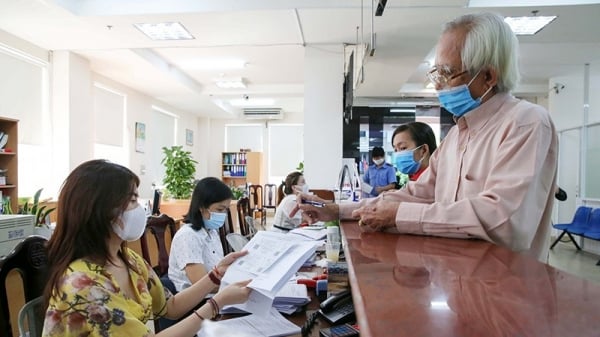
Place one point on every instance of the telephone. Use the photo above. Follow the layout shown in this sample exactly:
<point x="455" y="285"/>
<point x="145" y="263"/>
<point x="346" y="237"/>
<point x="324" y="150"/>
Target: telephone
<point x="338" y="309"/>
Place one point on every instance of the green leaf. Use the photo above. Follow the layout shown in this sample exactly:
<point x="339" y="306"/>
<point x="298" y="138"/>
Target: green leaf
<point x="180" y="170"/>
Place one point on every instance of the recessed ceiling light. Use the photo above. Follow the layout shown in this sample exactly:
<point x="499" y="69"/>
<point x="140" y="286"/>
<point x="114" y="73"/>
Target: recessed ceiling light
<point x="231" y="83"/>
<point x="213" y="64"/>
<point x="252" y="102"/>
<point x="164" y="31"/>
<point x="528" y="25"/>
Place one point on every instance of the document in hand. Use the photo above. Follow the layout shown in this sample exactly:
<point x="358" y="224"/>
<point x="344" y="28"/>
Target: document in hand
<point x="366" y="188"/>
<point x="271" y="261"/>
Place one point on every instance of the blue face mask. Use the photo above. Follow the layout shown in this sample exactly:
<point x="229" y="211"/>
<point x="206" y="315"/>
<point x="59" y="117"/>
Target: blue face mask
<point x="216" y="220"/>
<point x="458" y="99"/>
<point x="405" y="161"/>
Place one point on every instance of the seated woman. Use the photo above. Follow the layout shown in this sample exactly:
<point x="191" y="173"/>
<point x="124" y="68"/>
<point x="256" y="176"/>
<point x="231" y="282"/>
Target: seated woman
<point x="294" y="183"/>
<point x="413" y="145"/>
<point x="196" y="247"/>
<point x="99" y="287"/>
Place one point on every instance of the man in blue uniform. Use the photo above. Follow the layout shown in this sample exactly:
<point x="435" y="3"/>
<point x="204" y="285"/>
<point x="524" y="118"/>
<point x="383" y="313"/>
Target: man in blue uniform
<point x="380" y="175"/>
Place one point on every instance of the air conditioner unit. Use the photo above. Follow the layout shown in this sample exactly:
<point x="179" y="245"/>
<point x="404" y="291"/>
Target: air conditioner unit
<point x="13" y="229"/>
<point x="263" y="113"/>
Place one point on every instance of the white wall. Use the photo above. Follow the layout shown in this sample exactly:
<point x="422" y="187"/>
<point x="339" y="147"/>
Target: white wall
<point x="68" y="123"/>
<point x="213" y="138"/>
<point x="323" y="79"/>
<point x="567" y="110"/>
<point x="138" y="109"/>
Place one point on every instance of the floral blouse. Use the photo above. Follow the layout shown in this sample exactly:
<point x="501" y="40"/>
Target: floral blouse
<point x="90" y="303"/>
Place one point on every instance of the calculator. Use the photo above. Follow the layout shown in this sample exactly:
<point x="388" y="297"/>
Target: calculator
<point x="345" y="330"/>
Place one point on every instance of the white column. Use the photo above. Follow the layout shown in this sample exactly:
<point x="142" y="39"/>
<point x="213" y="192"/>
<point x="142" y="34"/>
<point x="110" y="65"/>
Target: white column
<point x="323" y="111"/>
<point x="72" y="112"/>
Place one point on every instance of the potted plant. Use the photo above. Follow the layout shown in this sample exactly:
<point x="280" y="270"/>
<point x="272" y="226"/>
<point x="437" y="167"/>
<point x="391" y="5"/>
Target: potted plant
<point x="42" y="214"/>
<point x="237" y="192"/>
<point x="179" y="173"/>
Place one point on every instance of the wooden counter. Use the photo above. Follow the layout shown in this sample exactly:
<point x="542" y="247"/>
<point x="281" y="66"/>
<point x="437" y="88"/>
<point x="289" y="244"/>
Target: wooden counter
<point x="415" y="286"/>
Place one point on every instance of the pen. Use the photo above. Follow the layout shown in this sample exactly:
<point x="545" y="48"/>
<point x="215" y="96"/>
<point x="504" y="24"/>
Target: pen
<point x="314" y="203"/>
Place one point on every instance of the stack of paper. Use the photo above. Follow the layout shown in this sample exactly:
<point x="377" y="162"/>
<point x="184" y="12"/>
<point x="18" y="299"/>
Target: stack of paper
<point x="310" y="233"/>
<point x="271" y="261"/>
<point x="291" y="297"/>
<point x="272" y="324"/>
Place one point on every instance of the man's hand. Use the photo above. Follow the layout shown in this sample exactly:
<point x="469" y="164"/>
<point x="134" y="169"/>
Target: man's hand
<point x="312" y="214"/>
<point x="378" y="216"/>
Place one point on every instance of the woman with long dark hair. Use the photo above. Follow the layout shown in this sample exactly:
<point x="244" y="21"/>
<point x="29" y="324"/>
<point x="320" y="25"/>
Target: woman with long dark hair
<point x="99" y="287"/>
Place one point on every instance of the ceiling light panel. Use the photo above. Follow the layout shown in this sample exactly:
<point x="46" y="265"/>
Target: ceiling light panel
<point x="164" y="31"/>
<point x="528" y="25"/>
<point x="212" y="64"/>
<point x="231" y="83"/>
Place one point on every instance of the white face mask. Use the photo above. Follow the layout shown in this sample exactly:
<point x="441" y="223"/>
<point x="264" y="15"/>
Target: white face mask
<point x="134" y="224"/>
<point x="378" y="161"/>
<point x="300" y="189"/>
<point x="305" y="188"/>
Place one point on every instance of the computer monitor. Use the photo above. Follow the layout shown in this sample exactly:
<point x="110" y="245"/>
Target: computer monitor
<point x="156" y="202"/>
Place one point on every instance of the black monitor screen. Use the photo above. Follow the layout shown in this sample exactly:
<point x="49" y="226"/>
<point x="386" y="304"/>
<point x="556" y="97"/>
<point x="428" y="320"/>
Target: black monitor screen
<point x="156" y="203"/>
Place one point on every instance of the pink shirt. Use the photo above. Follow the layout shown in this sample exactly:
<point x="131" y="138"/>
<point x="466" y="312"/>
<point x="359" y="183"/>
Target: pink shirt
<point x="492" y="178"/>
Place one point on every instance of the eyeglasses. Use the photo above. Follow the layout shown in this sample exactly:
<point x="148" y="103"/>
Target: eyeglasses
<point x="442" y="76"/>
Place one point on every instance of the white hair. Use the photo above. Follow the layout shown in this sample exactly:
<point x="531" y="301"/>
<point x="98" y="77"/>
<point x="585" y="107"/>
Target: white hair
<point x="489" y="43"/>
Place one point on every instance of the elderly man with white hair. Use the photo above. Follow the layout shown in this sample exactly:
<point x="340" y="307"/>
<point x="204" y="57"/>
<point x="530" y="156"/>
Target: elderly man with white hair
<point x="494" y="174"/>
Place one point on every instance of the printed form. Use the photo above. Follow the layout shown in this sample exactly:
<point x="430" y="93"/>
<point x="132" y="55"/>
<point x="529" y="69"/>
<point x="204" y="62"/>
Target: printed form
<point x="272" y="260"/>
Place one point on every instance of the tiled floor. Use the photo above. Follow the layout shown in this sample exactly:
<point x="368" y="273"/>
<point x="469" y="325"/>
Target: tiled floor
<point x="565" y="257"/>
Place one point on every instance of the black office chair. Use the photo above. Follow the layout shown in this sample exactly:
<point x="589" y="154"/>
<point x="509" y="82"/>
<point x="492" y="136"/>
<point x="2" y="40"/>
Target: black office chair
<point x="158" y="225"/>
<point x="30" y="259"/>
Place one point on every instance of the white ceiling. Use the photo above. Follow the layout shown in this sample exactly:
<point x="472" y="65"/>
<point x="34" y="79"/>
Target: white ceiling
<point x="272" y="35"/>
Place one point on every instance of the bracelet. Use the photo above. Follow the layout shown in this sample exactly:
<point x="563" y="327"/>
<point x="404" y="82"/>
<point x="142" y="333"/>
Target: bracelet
<point x="197" y="314"/>
<point x="214" y="279"/>
<point x="214" y="306"/>
<point x="217" y="272"/>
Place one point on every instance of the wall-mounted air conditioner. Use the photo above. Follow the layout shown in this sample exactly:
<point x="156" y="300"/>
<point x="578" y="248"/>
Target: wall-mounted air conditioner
<point x="263" y="113"/>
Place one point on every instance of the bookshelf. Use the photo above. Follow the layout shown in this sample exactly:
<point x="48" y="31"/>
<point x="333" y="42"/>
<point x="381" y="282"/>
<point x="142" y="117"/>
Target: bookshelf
<point x="9" y="161"/>
<point x="239" y="168"/>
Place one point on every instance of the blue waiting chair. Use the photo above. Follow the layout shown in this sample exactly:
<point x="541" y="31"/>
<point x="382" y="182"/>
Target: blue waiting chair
<point x="579" y="222"/>
<point x="580" y="228"/>
<point x="593" y="231"/>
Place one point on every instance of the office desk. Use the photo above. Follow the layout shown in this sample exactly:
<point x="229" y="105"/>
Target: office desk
<point x="405" y="285"/>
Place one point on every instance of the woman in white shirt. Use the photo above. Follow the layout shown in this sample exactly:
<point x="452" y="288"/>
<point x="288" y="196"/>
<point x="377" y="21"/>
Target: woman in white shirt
<point x="196" y="247"/>
<point x="294" y="184"/>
